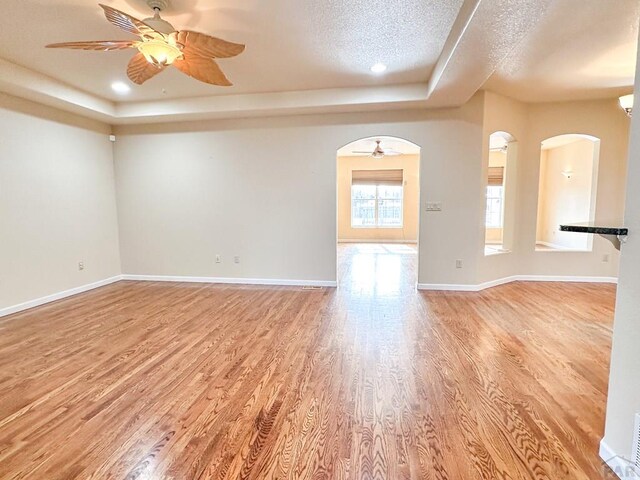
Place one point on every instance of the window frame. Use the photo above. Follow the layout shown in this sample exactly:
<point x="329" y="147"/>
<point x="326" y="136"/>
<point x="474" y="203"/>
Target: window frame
<point x="500" y="223"/>
<point x="377" y="198"/>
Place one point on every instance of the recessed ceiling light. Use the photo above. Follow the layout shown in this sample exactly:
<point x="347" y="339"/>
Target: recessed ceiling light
<point x="378" y="68"/>
<point x="120" y="87"/>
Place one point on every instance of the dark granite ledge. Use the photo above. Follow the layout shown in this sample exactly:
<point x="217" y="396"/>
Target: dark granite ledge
<point x="592" y="228"/>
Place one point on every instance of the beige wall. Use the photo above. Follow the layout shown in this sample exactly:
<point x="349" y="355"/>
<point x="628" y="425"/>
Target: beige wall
<point x="493" y="236"/>
<point x="530" y="124"/>
<point x="563" y="199"/>
<point x="502" y="114"/>
<point x="410" y="165"/>
<point x="265" y="190"/>
<point x="497" y="159"/>
<point x="57" y="202"/>
<point x="624" y="388"/>
<point x="602" y="119"/>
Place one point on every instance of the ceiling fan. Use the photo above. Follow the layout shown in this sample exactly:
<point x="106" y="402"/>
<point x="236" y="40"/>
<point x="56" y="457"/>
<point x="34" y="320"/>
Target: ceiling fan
<point x="379" y="152"/>
<point x="161" y="45"/>
<point x="501" y="149"/>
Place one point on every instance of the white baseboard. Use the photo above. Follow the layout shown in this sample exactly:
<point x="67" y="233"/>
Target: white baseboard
<point x="566" y="278"/>
<point x="161" y="278"/>
<point x="514" y="278"/>
<point x="355" y="240"/>
<point x="234" y="281"/>
<point x="622" y="467"/>
<point x="286" y="282"/>
<point x="57" y="296"/>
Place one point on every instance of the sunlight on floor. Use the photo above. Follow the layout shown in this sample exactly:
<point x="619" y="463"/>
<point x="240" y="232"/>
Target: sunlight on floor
<point x="377" y="270"/>
<point x="492" y="249"/>
<point x="541" y="247"/>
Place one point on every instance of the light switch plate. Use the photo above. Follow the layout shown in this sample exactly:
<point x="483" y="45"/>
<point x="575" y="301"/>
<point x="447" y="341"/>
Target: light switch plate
<point x="434" y="206"/>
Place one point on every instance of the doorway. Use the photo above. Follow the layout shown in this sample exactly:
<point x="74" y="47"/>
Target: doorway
<point x="500" y="190"/>
<point x="378" y="189"/>
<point x="567" y="191"/>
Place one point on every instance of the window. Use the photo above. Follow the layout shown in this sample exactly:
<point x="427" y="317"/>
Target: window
<point x="376" y="206"/>
<point x="502" y="172"/>
<point x="495" y="194"/>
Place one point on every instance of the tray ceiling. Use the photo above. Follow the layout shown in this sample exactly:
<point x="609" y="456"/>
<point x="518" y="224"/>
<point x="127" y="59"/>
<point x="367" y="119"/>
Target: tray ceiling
<point x="291" y="45"/>
<point x="315" y="57"/>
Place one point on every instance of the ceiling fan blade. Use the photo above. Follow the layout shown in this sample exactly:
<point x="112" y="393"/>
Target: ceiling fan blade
<point x="104" y="45"/>
<point x="206" y="46"/>
<point x="204" y="69"/>
<point x="128" y="23"/>
<point x="361" y="151"/>
<point x="139" y="70"/>
<point x="392" y="152"/>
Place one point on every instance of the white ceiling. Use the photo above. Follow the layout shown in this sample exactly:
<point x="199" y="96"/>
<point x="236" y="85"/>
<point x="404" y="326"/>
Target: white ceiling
<point x="315" y="56"/>
<point x="498" y="140"/>
<point x="580" y="49"/>
<point x="387" y="143"/>
<point x="290" y="44"/>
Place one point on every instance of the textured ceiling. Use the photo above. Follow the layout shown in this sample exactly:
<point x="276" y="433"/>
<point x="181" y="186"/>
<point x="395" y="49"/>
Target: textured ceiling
<point x="579" y="49"/>
<point x="314" y="56"/>
<point x="291" y="44"/>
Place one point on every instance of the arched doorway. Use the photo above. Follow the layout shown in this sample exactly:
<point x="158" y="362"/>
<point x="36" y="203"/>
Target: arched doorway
<point x="567" y="191"/>
<point x="378" y="212"/>
<point x="500" y="190"/>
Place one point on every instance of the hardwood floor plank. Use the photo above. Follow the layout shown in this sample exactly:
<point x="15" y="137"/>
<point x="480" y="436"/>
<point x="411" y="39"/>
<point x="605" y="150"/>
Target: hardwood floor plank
<point x="370" y="381"/>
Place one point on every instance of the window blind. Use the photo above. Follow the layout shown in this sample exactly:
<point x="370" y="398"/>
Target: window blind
<point x="377" y="177"/>
<point x="496" y="176"/>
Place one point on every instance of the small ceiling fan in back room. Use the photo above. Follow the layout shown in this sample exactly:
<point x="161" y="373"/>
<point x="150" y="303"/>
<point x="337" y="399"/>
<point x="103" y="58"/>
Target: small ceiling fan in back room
<point x="378" y="151"/>
<point x="161" y="45"/>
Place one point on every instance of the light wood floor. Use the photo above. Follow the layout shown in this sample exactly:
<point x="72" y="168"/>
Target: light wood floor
<point x="374" y="380"/>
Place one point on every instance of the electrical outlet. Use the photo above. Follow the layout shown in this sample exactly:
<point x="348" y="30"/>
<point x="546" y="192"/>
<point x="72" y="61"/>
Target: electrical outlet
<point x="218" y="259"/>
<point x="80" y="265"/>
<point x="606" y="257"/>
<point x="458" y="263"/>
<point x="236" y="259"/>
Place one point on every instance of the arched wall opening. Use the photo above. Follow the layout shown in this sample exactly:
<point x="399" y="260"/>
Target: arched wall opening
<point x="567" y="191"/>
<point x="500" y="190"/>
<point x="378" y="211"/>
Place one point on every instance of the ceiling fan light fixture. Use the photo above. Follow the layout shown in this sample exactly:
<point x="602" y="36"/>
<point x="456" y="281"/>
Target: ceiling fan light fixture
<point x="159" y="52"/>
<point x="378" y="152"/>
<point x="626" y="102"/>
<point x="161" y="45"/>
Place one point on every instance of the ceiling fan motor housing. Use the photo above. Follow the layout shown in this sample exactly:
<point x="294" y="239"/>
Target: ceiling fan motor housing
<point x="160" y="25"/>
<point x="158" y="4"/>
<point x="157" y="23"/>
